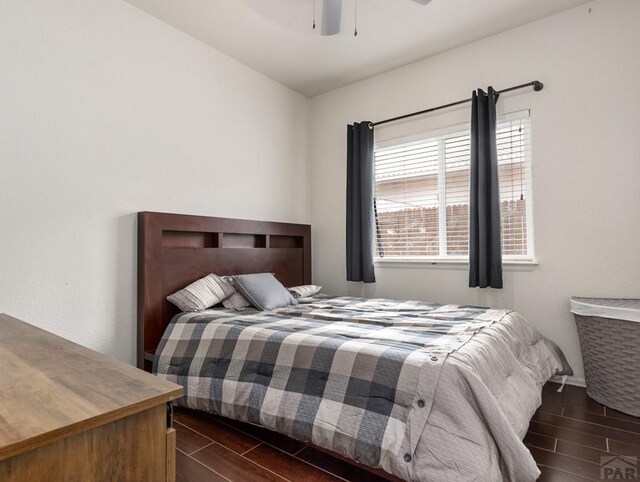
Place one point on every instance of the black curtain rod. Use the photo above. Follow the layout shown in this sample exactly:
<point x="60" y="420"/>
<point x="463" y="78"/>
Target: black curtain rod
<point x="536" y="84"/>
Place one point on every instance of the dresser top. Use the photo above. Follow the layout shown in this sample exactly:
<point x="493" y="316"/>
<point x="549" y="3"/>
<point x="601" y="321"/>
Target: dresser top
<point x="51" y="388"/>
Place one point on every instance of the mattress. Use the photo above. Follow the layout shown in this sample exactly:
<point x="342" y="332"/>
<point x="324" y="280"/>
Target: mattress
<point x="422" y="390"/>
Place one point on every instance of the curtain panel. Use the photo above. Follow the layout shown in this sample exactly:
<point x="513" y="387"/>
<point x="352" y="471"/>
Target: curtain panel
<point x="485" y="245"/>
<point x="360" y="215"/>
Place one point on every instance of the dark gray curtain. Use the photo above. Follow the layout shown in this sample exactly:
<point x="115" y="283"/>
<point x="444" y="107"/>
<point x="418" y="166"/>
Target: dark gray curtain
<point x="360" y="217"/>
<point x="485" y="246"/>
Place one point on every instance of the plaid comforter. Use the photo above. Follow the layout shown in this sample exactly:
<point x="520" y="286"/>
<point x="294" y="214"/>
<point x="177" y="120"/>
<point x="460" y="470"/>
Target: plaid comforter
<point x="356" y="376"/>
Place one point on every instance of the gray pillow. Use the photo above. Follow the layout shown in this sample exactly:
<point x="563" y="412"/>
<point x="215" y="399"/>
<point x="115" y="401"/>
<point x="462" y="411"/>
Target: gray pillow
<point x="263" y="291"/>
<point x="202" y="294"/>
<point x="236" y="302"/>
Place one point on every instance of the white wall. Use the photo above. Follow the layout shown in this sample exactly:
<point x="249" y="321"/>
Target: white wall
<point x="586" y="156"/>
<point x="106" y="111"/>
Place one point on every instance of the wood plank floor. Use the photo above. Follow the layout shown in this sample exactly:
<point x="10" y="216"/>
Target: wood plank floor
<point x="567" y="436"/>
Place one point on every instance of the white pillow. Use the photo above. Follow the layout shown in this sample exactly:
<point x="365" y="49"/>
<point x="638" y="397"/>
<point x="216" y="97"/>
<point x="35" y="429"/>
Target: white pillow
<point x="304" y="291"/>
<point x="202" y="294"/>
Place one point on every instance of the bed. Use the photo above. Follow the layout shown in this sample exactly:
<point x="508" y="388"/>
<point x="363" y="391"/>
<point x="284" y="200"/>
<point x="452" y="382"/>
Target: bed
<point x="420" y="390"/>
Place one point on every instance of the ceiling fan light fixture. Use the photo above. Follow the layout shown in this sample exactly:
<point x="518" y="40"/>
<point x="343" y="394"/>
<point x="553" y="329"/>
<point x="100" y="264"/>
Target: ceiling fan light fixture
<point x="331" y="16"/>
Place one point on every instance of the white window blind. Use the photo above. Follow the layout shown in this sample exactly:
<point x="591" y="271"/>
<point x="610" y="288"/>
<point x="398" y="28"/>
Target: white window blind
<point x="422" y="193"/>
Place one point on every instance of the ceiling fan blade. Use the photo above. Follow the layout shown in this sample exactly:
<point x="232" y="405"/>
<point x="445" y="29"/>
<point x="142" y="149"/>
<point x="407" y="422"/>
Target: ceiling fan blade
<point x="423" y="2"/>
<point x="331" y="15"/>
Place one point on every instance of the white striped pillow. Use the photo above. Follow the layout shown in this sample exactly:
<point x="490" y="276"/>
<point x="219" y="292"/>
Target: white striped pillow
<point x="202" y="294"/>
<point x="304" y="291"/>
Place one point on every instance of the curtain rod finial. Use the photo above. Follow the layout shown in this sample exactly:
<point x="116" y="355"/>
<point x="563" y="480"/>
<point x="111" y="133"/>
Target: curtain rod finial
<point x="537" y="85"/>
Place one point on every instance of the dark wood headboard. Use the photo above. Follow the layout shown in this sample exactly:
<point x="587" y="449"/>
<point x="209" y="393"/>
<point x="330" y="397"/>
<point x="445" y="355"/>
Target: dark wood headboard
<point x="176" y="249"/>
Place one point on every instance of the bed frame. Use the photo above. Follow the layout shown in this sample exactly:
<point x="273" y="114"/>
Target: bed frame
<point x="177" y="249"/>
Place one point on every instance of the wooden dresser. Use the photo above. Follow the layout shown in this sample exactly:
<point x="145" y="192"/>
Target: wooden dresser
<point x="70" y="413"/>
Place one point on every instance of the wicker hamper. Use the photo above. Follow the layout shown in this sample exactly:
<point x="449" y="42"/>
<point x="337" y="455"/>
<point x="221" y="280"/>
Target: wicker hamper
<point x="609" y="331"/>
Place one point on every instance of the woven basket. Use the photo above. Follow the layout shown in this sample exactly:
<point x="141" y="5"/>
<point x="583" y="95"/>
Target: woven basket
<point x="609" y="331"/>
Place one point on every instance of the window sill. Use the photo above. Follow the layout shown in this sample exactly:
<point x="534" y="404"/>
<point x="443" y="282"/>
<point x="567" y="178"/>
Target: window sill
<point x="509" y="265"/>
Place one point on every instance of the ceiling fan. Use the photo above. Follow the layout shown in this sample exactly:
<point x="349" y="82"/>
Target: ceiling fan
<point x="332" y="13"/>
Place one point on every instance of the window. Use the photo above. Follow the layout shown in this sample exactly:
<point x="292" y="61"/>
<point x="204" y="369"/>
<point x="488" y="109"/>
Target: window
<point x="422" y="193"/>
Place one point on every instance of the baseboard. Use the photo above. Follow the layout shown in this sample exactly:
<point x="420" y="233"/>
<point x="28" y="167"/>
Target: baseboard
<point x="571" y="380"/>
